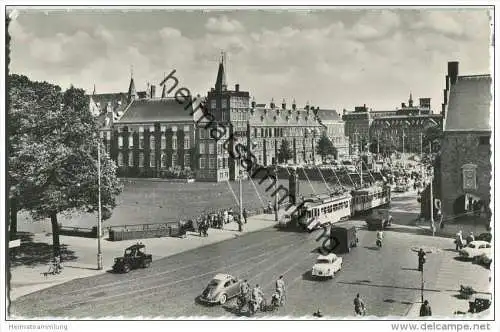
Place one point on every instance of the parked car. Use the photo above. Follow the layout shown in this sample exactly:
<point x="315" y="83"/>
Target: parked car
<point x="133" y="258"/>
<point x="327" y="266"/>
<point x="485" y="259"/>
<point x="475" y="249"/>
<point x="221" y="288"/>
<point x="484" y="237"/>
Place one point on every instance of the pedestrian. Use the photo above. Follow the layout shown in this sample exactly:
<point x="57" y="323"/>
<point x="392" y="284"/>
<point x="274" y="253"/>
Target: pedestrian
<point x="459" y="242"/>
<point x="421" y="259"/>
<point x="425" y="309"/>
<point x="245" y="215"/>
<point x="359" y="306"/>
<point x="470" y="238"/>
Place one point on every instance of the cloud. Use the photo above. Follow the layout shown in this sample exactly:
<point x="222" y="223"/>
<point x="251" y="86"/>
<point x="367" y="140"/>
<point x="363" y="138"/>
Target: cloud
<point x="375" y="24"/>
<point x="223" y="24"/>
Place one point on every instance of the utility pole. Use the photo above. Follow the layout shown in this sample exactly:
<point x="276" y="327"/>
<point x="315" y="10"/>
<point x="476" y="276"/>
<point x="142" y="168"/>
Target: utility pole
<point x="276" y="195"/>
<point x="432" y="204"/>
<point x="99" y="218"/>
<point x="240" y="223"/>
<point x="422" y="285"/>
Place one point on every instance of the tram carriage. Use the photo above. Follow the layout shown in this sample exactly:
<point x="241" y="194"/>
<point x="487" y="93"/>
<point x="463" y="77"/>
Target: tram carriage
<point x="331" y="209"/>
<point x="363" y="200"/>
<point x="324" y="210"/>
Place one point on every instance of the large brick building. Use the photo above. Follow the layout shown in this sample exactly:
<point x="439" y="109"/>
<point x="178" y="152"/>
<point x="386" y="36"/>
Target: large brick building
<point x="357" y="128"/>
<point x="465" y="168"/>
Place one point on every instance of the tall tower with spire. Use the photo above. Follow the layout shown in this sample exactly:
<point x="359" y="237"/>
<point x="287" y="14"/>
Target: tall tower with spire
<point x="132" y="93"/>
<point x="410" y="101"/>
<point x="220" y="82"/>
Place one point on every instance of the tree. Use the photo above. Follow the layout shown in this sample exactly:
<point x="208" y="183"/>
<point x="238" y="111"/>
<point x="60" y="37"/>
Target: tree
<point x="53" y="157"/>
<point x="285" y="152"/>
<point x="432" y="137"/>
<point x="325" y="148"/>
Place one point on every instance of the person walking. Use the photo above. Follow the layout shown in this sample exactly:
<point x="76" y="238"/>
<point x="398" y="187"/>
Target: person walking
<point x="359" y="306"/>
<point x="425" y="309"/>
<point x="421" y="259"/>
<point x="459" y="242"/>
<point x="245" y="214"/>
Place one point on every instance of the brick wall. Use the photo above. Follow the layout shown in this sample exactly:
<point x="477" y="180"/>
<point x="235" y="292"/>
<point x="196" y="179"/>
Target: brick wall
<point x="459" y="148"/>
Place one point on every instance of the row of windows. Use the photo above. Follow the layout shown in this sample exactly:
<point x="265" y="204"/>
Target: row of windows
<point x="162" y="128"/>
<point x="152" y="142"/>
<point x="315" y="212"/>
<point x="152" y="160"/>
<point x="279" y="132"/>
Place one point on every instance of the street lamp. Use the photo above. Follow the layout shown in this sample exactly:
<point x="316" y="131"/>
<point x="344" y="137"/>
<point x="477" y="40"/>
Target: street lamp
<point x="99" y="217"/>
<point x="240" y="223"/>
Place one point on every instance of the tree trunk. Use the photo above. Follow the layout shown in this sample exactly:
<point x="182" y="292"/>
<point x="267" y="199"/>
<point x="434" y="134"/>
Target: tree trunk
<point x="56" y="246"/>
<point x="13" y="218"/>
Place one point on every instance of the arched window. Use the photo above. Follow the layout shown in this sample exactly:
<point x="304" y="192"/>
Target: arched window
<point x="141" y="159"/>
<point x="130" y="158"/>
<point x="163" y="160"/>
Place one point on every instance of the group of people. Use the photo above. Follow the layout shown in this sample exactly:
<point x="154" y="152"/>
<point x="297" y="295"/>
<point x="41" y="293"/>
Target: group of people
<point x="459" y="241"/>
<point x="216" y="219"/>
<point x="257" y="295"/>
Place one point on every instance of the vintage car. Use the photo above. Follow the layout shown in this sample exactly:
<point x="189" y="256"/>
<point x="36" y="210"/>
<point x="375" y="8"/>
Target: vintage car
<point x="327" y="266"/>
<point x="484" y="237"/>
<point x="133" y="258"/>
<point x="221" y="288"/>
<point x="475" y="249"/>
<point x="484" y="259"/>
<point x="479" y="303"/>
<point x="378" y="219"/>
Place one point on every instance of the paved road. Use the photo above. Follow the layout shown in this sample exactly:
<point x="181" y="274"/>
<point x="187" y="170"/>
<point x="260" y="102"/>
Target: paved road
<point x="386" y="278"/>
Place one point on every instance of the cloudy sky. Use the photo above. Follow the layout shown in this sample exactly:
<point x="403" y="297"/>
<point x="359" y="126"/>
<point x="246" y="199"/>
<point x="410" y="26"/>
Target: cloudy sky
<point x="332" y="58"/>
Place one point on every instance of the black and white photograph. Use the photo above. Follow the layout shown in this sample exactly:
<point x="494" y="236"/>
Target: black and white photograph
<point x="249" y="163"/>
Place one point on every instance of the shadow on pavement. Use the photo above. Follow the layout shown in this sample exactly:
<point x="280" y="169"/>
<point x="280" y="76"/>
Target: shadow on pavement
<point x="372" y="248"/>
<point x="233" y="309"/>
<point x="308" y="276"/>
<point x="408" y="269"/>
<point x="389" y="286"/>
<point x="36" y="253"/>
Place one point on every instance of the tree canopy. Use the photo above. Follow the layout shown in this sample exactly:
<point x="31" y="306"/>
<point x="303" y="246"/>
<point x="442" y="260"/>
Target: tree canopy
<point x="325" y="148"/>
<point x="52" y="161"/>
<point x="285" y="152"/>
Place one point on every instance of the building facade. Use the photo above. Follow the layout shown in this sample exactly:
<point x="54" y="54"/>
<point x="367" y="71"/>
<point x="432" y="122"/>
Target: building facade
<point x="357" y="128"/>
<point x="465" y="167"/>
<point x="334" y="129"/>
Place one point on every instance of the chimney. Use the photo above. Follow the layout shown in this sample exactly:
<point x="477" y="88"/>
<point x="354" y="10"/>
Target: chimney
<point x="236" y="87"/>
<point x="283" y="104"/>
<point x="403" y="105"/>
<point x="447" y="82"/>
<point x="153" y="91"/>
<point x="445" y="97"/>
<point x="294" y="105"/>
<point x="253" y="102"/>
<point x="453" y="71"/>
<point x="307" y="105"/>
<point x="272" y="103"/>
<point x="443" y="108"/>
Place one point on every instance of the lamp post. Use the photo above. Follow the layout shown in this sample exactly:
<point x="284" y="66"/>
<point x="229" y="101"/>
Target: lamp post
<point x="240" y="223"/>
<point x="276" y="194"/>
<point x="432" y="202"/>
<point x="99" y="217"/>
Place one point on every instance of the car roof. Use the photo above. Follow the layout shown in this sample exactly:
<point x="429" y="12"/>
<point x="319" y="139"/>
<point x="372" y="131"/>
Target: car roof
<point x="137" y="246"/>
<point x="479" y="242"/>
<point x="222" y="276"/>
<point x="329" y="256"/>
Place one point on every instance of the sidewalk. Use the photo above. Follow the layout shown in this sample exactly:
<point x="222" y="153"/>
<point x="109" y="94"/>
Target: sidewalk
<point x="80" y="254"/>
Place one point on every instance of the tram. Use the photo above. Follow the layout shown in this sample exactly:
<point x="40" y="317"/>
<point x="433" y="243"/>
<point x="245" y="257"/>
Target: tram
<point x="329" y="209"/>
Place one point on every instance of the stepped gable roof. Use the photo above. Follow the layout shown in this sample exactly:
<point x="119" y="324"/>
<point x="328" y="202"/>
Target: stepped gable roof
<point x="469" y="104"/>
<point x="282" y="117"/>
<point x="153" y="110"/>
<point x="328" y="115"/>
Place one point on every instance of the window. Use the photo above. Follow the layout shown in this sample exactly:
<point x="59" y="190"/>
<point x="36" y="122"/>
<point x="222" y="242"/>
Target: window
<point x="130" y="142"/>
<point x="203" y="133"/>
<point x="187" y="160"/>
<point x="152" y="160"/>
<point x="130" y="159"/>
<point x="120" y="141"/>
<point x="220" y="161"/>
<point x="101" y="134"/>
<point x="202" y="147"/>
<point x="186" y="142"/>
<point x="224" y="103"/>
<point x="108" y="135"/>
<point x="223" y="116"/>
<point x="152" y="143"/>
<point x="174" y="159"/>
<point x="484" y="140"/>
<point x="141" y="129"/>
<point x="163" y="142"/>
<point x="141" y="159"/>
<point x="211" y="148"/>
<point x="186" y="129"/>
<point x="151" y="129"/>
<point x="202" y="162"/>
<point x="174" y="142"/>
<point x="163" y="160"/>
<point x="211" y="163"/>
<point x="120" y="159"/>
<point x="163" y="129"/>
<point x="141" y="141"/>
<point x="212" y="104"/>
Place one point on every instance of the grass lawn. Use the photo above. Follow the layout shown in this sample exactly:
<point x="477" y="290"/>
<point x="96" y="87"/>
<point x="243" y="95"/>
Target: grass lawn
<point x="144" y="202"/>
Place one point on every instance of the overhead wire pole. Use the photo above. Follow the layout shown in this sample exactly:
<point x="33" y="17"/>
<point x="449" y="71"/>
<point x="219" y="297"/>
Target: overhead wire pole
<point x="99" y="209"/>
